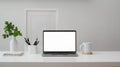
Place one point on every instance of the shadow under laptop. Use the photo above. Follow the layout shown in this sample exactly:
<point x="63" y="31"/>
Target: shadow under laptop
<point x="60" y="55"/>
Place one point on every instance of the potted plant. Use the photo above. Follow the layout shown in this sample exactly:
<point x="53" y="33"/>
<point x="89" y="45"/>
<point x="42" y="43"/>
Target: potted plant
<point x="10" y="30"/>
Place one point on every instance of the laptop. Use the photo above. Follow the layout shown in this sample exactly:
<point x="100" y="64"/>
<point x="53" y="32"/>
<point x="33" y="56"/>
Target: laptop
<point x="59" y="43"/>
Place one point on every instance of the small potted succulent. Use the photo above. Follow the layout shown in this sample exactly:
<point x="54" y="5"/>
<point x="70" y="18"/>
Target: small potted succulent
<point x="10" y="30"/>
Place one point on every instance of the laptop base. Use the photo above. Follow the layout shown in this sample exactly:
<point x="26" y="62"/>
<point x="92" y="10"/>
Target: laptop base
<point x="59" y="55"/>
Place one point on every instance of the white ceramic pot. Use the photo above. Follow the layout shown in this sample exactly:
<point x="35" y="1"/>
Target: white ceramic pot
<point x="86" y="47"/>
<point x="32" y="49"/>
<point x="13" y="44"/>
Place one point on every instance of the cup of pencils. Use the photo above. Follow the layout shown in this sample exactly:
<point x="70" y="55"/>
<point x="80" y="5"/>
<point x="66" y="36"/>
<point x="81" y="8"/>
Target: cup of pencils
<point x="32" y="48"/>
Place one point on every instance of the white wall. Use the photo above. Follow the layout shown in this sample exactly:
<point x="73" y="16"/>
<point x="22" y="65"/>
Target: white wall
<point x="95" y="20"/>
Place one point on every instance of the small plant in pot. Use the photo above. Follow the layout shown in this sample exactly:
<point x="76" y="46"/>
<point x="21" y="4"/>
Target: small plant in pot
<point x="10" y="30"/>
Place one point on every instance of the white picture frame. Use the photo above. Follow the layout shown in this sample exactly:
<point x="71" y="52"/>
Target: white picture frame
<point x="31" y="16"/>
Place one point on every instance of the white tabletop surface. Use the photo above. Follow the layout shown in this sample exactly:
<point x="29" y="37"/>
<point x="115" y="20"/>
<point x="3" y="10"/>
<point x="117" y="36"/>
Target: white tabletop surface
<point x="98" y="56"/>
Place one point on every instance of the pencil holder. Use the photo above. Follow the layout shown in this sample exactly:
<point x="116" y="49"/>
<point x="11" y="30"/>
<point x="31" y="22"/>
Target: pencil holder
<point x="32" y="49"/>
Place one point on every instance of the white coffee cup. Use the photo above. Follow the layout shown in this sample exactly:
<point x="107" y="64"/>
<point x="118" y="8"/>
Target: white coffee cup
<point x="86" y="47"/>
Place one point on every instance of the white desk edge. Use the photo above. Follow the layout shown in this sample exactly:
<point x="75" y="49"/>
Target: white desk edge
<point x="98" y="56"/>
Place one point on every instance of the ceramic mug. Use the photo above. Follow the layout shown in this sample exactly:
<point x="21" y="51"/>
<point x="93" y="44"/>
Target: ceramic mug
<point x="86" y="48"/>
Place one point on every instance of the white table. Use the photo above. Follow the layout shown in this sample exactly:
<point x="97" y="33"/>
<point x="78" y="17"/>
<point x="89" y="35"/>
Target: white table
<point x="98" y="59"/>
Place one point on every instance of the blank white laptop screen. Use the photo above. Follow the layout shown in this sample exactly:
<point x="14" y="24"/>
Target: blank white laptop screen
<point x="60" y="41"/>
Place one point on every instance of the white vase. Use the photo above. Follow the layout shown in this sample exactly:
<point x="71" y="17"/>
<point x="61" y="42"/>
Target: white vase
<point x="13" y="44"/>
<point x="32" y="49"/>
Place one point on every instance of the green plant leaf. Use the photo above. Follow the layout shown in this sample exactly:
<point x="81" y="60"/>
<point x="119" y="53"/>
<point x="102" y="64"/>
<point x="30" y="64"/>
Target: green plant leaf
<point x="4" y="36"/>
<point x="6" y="22"/>
<point x="11" y="30"/>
